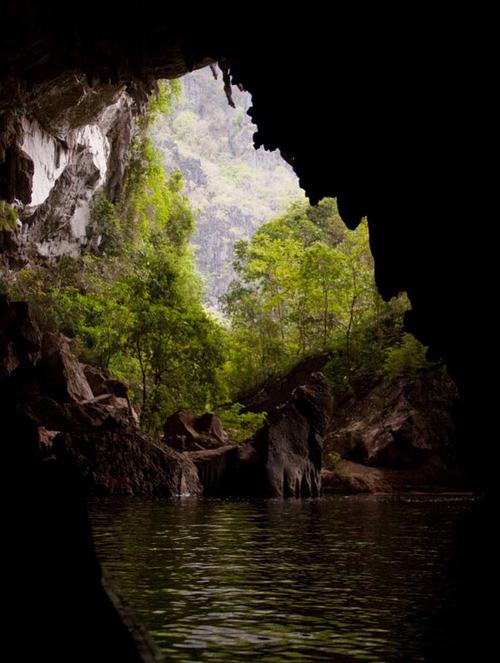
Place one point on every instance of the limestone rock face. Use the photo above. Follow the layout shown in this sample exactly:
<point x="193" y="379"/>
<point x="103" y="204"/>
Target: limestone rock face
<point x="283" y="458"/>
<point x="68" y="170"/>
<point x="398" y="424"/>
<point x="69" y="147"/>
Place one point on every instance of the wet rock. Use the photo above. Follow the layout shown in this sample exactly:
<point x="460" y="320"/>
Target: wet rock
<point x="124" y="461"/>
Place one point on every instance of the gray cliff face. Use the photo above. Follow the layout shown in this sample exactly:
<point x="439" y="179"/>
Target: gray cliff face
<point x="232" y="187"/>
<point x="69" y="151"/>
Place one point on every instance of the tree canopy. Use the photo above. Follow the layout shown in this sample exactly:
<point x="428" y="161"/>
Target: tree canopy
<point x="306" y="283"/>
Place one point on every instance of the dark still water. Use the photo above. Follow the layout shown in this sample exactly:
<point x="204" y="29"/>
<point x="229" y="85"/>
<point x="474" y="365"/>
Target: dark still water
<point x="333" y="579"/>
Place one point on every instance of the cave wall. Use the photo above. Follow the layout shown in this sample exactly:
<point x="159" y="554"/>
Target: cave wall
<point x="69" y="147"/>
<point x="388" y="113"/>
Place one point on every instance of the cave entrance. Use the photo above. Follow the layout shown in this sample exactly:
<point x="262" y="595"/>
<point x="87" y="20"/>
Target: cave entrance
<point x="299" y="299"/>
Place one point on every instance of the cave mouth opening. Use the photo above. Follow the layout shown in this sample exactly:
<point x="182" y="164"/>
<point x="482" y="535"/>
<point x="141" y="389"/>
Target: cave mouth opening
<point x="111" y="215"/>
<point x="399" y="266"/>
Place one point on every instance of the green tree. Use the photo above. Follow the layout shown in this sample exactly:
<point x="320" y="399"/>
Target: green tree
<point x="305" y="284"/>
<point x="134" y="306"/>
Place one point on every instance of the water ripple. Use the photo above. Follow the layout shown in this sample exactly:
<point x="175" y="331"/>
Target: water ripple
<point x="335" y="579"/>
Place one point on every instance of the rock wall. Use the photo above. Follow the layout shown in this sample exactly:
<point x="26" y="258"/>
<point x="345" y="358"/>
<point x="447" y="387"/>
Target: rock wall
<point x="70" y="151"/>
<point x="92" y="429"/>
<point x="283" y="458"/>
<point x="397" y="435"/>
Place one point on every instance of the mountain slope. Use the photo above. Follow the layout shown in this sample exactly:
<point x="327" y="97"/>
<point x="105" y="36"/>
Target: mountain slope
<point x="233" y="187"/>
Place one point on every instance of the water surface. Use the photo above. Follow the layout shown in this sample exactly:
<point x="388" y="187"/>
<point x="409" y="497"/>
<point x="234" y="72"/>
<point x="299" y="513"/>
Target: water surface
<point x="359" y="578"/>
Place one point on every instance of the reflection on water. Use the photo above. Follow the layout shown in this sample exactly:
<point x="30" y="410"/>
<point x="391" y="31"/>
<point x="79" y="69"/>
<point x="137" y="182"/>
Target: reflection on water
<point x="333" y="579"/>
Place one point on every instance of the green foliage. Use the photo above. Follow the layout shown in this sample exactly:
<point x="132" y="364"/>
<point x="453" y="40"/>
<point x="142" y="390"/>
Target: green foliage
<point x="8" y="216"/>
<point x="233" y="187"/>
<point x="333" y="459"/>
<point x="239" y="425"/>
<point x="160" y="103"/>
<point x="135" y="305"/>
<point x="408" y="358"/>
<point x="306" y="284"/>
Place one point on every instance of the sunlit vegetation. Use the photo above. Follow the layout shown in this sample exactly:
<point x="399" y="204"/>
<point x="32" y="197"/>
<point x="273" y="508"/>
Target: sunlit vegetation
<point x="8" y="216"/>
<point x="305" y="284"/>
<point x="133" y="305"/>
<point x="232" y="187"/>
<point x="240" y="425"/>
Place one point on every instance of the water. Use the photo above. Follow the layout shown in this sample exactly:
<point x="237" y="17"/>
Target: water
<point x="333" y="579"/>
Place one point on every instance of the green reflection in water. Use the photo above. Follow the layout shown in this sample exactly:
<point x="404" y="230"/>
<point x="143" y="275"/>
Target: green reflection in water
<point x="338" y="579"/>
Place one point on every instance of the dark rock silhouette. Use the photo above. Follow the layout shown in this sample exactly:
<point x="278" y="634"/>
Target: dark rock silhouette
<point x="62" y="374"/>
<point x="59" y="591"/>
<point x="269" y="395"/>
<point x="95" y="432"/>
<point x="282" y="459"/>
<point x="399" y="423"/>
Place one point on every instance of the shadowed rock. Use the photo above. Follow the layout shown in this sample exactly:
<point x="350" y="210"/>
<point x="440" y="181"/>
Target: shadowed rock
<point x="186" y="431"/>
<point x="400" y="423"/>
<point x="20" y="339"/>
<point x="61" y="373"/>
<point x="282" y="459"/>
<point x="93" y="430"/>
<point x="275" y="392"/>
<point x="349" y="477"/>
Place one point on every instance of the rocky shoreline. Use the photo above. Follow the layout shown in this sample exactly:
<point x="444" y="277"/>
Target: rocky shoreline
<point x="396" y="436"/>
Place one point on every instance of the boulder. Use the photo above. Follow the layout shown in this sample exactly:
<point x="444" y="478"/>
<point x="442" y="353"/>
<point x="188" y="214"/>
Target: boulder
<point x="101" y="382"/>
<point x="117" y="388"/>
<point x="210" y="424"/>
<point x="110" y="392"/>
<point x="186" y="431"/>
<point x="61" y="373"/>
<point x="400" y="424"/>
<point x="349" y="477"/>
<point x="96" y="377"/>
<point x="282" y="459"/>
<point x="125" y="461"/>
<point x="275" y="392"/>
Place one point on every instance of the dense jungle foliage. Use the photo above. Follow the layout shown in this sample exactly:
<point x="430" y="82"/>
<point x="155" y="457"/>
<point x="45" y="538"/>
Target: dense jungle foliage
<point x="134" y="306"/>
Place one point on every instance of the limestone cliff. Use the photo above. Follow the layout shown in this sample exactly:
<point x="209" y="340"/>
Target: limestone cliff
<point x="232" y="187"/>
<point x="66" y="148"/>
